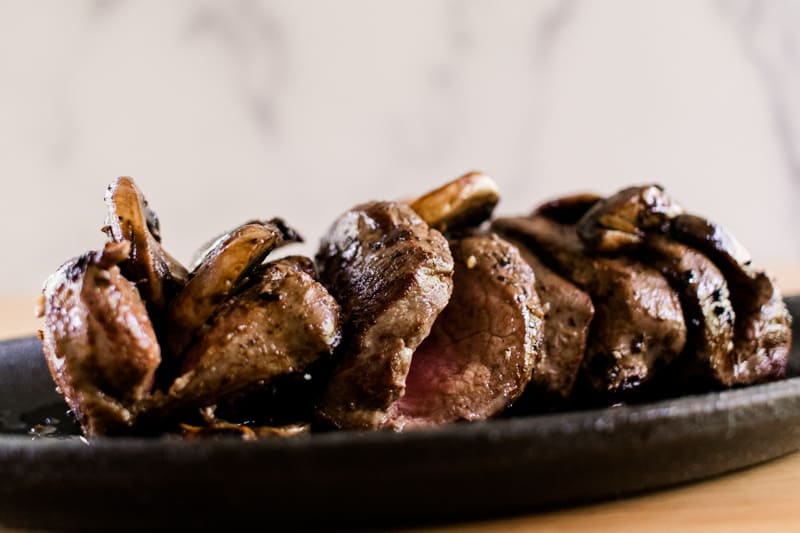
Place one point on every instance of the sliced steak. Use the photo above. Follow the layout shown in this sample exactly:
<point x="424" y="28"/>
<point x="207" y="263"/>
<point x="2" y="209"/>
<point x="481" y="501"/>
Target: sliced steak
<point x="278" y="324"/>
<point x="638" y="325"/>
<point x="706" y="306"/>
<point x="568" y="314"/>
<point x="392" y="275"/>
<point x="98" y="340"/>
<point x="482" y="348"/>
<point x="762" y="331"/>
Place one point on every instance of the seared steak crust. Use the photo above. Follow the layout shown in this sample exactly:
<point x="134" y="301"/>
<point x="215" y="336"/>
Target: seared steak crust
<point x="392" y="275"/>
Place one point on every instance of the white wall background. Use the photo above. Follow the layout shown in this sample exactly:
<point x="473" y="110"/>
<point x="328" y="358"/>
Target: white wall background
<point x="224" y="111"/>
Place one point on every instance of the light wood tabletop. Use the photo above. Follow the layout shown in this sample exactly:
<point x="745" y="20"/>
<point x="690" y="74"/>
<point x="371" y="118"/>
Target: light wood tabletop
<point x="760" y="498"/>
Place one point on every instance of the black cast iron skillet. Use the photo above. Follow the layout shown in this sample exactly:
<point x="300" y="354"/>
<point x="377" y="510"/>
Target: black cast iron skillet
<point x="342" y="479"/>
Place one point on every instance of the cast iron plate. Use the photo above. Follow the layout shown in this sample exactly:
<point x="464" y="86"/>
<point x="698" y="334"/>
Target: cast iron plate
<point x="381" y="478"/>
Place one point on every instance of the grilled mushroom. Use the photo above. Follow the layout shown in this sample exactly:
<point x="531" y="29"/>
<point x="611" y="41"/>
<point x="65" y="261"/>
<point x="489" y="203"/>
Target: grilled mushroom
<point x="619" y="222"/>
<point x="278" y="323"/>
<point x="462" y="203"/>
<point x="222" y="267"/>
<point x="157" y="275"/>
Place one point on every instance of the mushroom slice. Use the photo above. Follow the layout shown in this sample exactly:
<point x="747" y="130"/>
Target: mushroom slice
<point x="98" y="340"/>
<point x="463" y="202"/>
<point x="281" y="321"/>
<point x="220" y="428"/>
<point x="619" y="222"/>
<point x="288" y="235"/>
<point x="223" y="266"/>
<point x="762" y="331"/>
<point x="212" y="426"/>
<point x="157" y="275"/>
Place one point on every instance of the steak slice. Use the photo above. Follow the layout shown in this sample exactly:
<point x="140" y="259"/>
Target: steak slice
<point x="280" y="322"/>
<point x="392" y="275"/>
<point x="98" y="341"/>
<point x="482" y="348"/>
<point x="706" y="306"/>
<point x="638" y="325"/>
<point x="568" y="314"/>
<point x="762" y="331"/>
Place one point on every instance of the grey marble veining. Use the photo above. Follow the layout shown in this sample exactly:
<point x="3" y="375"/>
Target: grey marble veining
<point x="770" y="36"/>
<point x="255" y="49"/>
<point x="225" y="111"/>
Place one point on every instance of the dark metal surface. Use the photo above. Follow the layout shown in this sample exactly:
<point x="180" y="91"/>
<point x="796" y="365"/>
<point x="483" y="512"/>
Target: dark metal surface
<point x="381" y="478"/>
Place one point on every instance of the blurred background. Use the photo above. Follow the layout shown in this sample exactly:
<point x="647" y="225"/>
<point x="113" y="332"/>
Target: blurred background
<point x="226" y="111"/>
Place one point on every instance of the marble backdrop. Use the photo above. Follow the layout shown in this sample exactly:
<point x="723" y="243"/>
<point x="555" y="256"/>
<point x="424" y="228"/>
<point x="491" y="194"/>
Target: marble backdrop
<point x="225" y="111"/>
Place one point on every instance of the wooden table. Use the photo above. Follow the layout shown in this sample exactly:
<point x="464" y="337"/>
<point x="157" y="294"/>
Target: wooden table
<point x="760" y="498"/>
